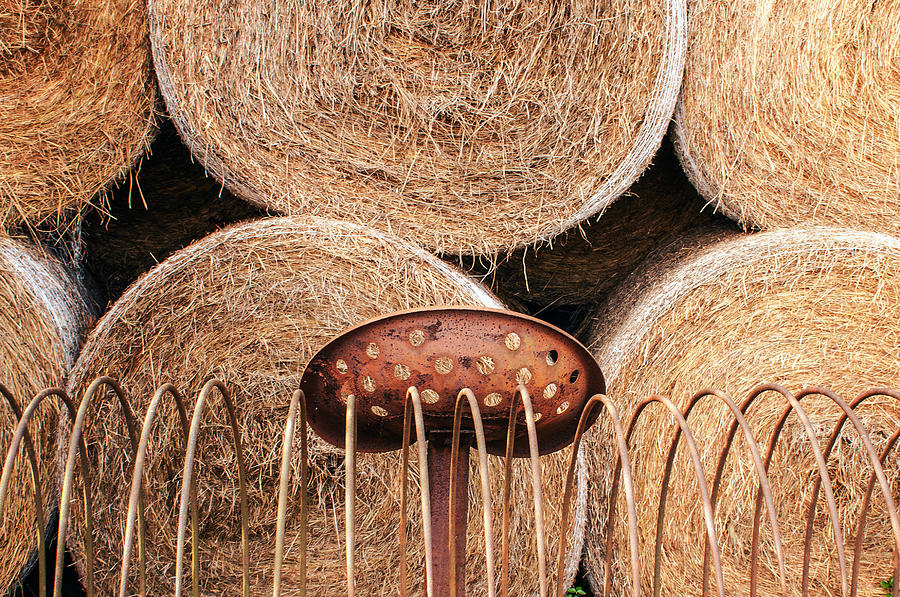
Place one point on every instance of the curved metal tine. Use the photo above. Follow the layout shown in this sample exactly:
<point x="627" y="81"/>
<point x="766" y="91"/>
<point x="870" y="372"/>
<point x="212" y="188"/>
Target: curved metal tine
<point x="298" y="401"/>
<point x="134" y="500"/>
<point x="76" y="445"/>
<point x="624" y="461"/>
<point x="189" y="493"/>
<point x="522" y="392"/>
<point x="794" y="405"/>
<point x="861" y="523"/>
<point x="699" y="474"/>
<point x="485" y="487"/>
<point x="764" y="487"/>
<point x="414" y="400"/>
<point x="874" y="458"/>
<point x="350" y="491"/>
<point x="864" y="510"/>
<point x="36" y="486"/>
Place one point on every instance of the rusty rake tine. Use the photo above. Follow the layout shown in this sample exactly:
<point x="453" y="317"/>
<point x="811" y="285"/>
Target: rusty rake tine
<point x="298" y="401"/>
<point x="864" y="510"/>
<point x="507" y="477"/>
<point x="567" y="492"/>
<point x="350" y="491"/>
<point x="523" y="397"/>
<point x="188" y="482"/>
<point x="136" y="486"/>
<point x="404" y="493"/>
<point x="699" y="473"/>
<point x="874" y="458"/>
<point x="412" y="396"/>
<point x="36" y="483"/>
<point x="485" y="487"/>
<point x="861" y="523"/>
<point x="76" y="442"/>
<point x="740" y="421"/>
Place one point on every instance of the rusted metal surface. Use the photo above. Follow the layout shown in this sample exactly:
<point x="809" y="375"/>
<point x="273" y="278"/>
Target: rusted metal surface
<point x="441" y="351"/>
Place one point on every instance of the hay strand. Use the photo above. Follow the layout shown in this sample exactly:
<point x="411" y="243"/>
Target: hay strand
<point x="466" y="127"/>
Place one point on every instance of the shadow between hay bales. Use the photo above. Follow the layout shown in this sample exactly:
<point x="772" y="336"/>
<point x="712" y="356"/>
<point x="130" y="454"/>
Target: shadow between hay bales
<point x="164" y="205"/>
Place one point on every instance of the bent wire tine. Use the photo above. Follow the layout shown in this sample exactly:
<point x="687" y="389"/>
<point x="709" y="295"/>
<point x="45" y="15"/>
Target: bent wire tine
<point x="523" y="397"/>
<point x="76" y="445"/>
<point x="134" y="499"/>
<point x="485" y="487"/>
<point x="414" y="400"/>
<point x="189" y="493"/>
<point x="350" y="491"/>
<point x="298" y="401"/>
<point x="764" y="487"/>
<point x="876" y="465"/>
<point x="601" y="401"/>
<point x="864" y="509"/>
<point x="36" y="484"/>
<point x="700" y="476"/>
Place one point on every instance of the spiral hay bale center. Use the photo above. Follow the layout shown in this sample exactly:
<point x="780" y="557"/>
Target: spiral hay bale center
<point x="468" y="127"/>
<point x="809" y="307"/>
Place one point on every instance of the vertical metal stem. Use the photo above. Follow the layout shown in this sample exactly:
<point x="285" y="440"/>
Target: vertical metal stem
<point x="441" y="466"/>
<point x="298" y="401"/>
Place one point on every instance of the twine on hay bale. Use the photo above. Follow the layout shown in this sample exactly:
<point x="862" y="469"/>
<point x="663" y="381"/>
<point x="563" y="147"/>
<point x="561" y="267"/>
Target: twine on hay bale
<point x="250" y="305"/>
<point x="467" y="127"/>
<point x="42" y="317"/>
<point x="802" y="307"/>
<point x="788" y="114"/>
<point x="585" y="265"/>
<point x="77" y="106"/>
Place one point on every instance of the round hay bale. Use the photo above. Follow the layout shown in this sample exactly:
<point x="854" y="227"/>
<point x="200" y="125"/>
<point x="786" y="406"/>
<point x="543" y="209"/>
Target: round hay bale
<point x="250" y="305"/>
<point x="467" y="127"/>
<point x="585" y="265"/>
<point x="77" y="107"/>
<point x="807" y="307"/>
<point x="788" y="114"/>
<point x="42" y="317"/>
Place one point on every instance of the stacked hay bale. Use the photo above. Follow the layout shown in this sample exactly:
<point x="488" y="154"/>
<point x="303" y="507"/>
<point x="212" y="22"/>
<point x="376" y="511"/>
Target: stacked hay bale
<point x="77" y="107"/>
<point x="802" y="307"/>
<point x="250" y="305"/>
<point x="789" y="115"/>
<point x="468" y="127"/>
<point x="42" y="317"/>
<point x="582" y="268"/>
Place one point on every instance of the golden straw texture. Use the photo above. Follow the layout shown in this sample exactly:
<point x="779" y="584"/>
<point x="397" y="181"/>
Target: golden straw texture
<point x="76" y="106"/>
<point x="469" y="127"/>
<point x="804" y="307"/>
<point x="789" y="112"/>
<point x="250" y="305"/>
<point x="42" y="318"/>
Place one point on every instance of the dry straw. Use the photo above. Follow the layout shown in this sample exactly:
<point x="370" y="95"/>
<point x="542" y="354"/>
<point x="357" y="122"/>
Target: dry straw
<point x="805" y="307"/>
<point x="42" y="318"/>
<point x="76" y="106"/>
<point x="789" y="115"/>
<point x="250" y="305"/>
<point x="469" y="127"/>
<point x="586" y="264"/>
